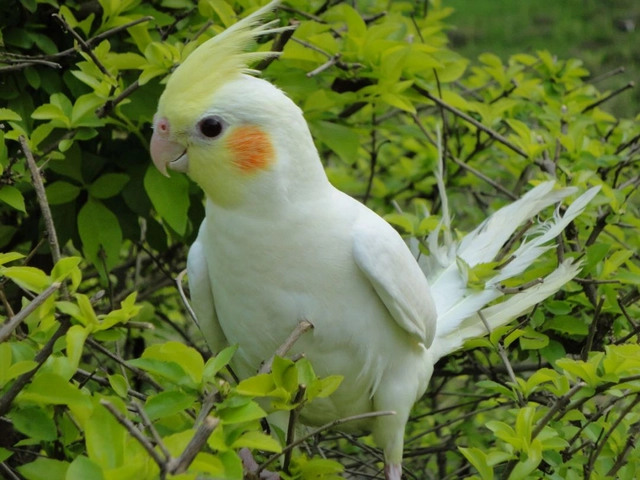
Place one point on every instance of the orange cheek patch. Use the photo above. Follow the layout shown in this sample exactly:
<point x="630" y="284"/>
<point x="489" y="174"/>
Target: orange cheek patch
<point x="251" y="147"/>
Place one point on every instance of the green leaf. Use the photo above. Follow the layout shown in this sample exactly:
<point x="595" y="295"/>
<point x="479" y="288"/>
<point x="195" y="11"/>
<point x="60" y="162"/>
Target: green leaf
<point x="18" y="369"/>
<point x="61" y="192"/>
<point x="51" y="112"/>
<point x="44" y="469"/>
<point x="64" y="268"/>
<point x="170" y="198"/>
<point x="217" y="363"/>
<point x="567" y="324"/>
<point x="85" y="469"/>
<point x="12" y="197"/>
<point x="100" y="234"/>
<point x="34" y="423"/>
<point x="29" y="278"/>
<point x="168" y="403"/>
<point x="9" y="257"/>
<point x="259" y="385"/>
<point x="86" y="310"/>
<point x="169" y="370"/>
<point x="108" y="185"/>
<point x="5" y="454"/>
<point x="119" y="384"/>
<point x="478" y="459"/>
<point x="342" y="140"/>
<point x="258" y="441"/>
<point x="84" y="111"/>
<point x="244" y="413"/>
<point x="7" y="114"/>
<point x="324" y="387"/>
<point x="51" y="389"/>
<point x="76" y="337"/>
<point x="317" y="467"/>
<point x="188" y="358"/>
<point x="105" y="439"/>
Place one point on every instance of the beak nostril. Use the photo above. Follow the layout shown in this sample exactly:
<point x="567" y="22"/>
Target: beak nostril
<point x="162" y="126"/>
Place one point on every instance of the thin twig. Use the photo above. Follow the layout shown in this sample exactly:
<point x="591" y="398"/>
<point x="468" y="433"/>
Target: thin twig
<point x="279" y="44"/>
<point x="505" y="359"/>
<point x="293" y="419"/>
<point x="598" y="78"/>
<point x="52" y="237"/>
<point x="301" y="328"/>
<point x="608" y="97"/>
<point x="183" y="297"/>
<point x="138" y="372"/>
<point x="96" y="39"/>
<point x="135" y="433"/>
<point x="321" y="429"/>
<point x="520" y="288"/>
<point x="111" y="104"/>
<point x="85" y="46"/>
<point x="154" y="433"/>
<point x="180" y="464"/>
<point x="603" y="441"/>
<point x="630" y="444"/>
<point x="8" y="398"/>
<point x="559" y="405"/>
<point x="492" y="133"/>
<point x="105" y="383"/>
<point x="312" y="47"/>
<point x="17" y="319"/>
<point x="593" y="328"/>
<point x="325" y="66"/>
<point x="4" y="468"/>
<point x="208" y="403"/>
<point x="463" y="165"/>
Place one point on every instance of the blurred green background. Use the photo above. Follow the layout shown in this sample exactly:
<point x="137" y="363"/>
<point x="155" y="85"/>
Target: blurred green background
<point x="605" y="34"/>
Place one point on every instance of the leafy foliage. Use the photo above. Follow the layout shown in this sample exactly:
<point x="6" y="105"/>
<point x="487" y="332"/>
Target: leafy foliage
<point x="96" y="342"/>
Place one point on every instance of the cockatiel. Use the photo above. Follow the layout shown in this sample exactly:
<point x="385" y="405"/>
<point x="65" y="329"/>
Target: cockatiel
<point x="280" y="244"/>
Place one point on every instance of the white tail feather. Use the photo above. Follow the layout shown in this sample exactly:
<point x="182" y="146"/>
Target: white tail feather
<point x="451" y="339"/>
<point x="457" y="304"/>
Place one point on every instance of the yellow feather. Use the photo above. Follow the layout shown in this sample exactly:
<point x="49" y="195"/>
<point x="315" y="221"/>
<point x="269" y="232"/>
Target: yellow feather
<point x="212" y="64"/>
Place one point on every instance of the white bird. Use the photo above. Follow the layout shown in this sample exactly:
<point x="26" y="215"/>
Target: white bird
<point x="280" y="244"/>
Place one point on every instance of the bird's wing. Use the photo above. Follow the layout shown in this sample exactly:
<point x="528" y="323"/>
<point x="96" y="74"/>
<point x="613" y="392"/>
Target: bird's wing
<point x="202" y="294"/>
<point x="384" y="258"/>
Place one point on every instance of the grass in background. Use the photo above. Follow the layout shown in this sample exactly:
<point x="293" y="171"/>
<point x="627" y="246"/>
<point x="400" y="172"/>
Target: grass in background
<point x="605" y="34"/>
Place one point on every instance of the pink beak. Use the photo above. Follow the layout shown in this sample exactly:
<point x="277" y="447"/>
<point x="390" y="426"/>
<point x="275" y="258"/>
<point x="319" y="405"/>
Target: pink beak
<point x="166" y="152"/>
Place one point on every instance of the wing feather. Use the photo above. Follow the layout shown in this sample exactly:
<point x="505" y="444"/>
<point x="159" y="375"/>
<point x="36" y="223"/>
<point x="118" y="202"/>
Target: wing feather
<point x="202" y="294"/>
<point x="384" y="258"/>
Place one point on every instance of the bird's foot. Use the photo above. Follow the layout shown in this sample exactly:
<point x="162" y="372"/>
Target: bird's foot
<point x="393" y="471"/>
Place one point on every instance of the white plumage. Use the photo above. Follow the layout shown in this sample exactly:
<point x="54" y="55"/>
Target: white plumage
<point x="280" y="244"/>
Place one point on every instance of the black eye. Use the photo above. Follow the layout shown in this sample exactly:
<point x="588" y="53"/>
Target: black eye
<point x="210" y="127"/>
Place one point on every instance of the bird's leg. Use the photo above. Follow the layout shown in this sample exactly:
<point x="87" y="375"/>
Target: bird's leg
<point x="393" y="471"/>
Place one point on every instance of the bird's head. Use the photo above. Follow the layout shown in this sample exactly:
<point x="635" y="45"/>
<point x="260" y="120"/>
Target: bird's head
<point x="231" y="132"/>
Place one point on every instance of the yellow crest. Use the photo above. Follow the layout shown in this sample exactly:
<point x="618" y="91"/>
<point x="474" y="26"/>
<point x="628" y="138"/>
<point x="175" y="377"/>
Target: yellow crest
<point x="215" y="62"/>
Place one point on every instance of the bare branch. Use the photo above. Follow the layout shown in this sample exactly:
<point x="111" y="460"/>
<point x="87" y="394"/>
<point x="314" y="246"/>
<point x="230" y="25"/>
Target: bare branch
<point x="492" y="133"/>
<point x="301" y="328"/>
<point x="199" y="439"/>
<point x="52" y="236"/>
<point x="321" y="429"/>
<point x="135" y="433"/>
<point x="17" y="319"/>
<point x="183" y="297"/>
<point x="608" y="97"/>
<point x="8" y="398"/>
<point x="83" y="44"/>
<point x="279" y="43"/>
